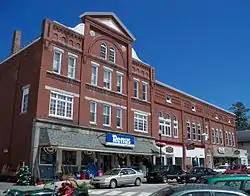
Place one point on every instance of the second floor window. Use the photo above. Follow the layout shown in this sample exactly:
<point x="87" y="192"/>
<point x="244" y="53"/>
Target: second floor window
<point x="107" y="115"/>
<point x="112" y="55"/>
<point x="107" y="79"/>
<point x="199" y="132"/>
<point x="103" y="51"/>
<point x="176" y="129"/>
<point x="145" y="91"/>
<point x="140" y="122"/>
<point x="213" y="136"/>
<point x="25" y="99"/>
<point x="94" y="75"/>
<point x="119" y="83"/>
<point x="221" y="137"/>
<point x="119" y="118"/>
<point x="57" y="61"/>
<point x="136" y="89"/>
<point x="92" y="112"/>
<point x="71" y="67"/>
<point x="227" y="139"/>
<point x="194" y="131"/>
<point x="188" y="130"/>
<point x="230" y="139"/>
<point x="233" y="139"/>
<point x="217" y="136"/>
<point x="165" y="125"/>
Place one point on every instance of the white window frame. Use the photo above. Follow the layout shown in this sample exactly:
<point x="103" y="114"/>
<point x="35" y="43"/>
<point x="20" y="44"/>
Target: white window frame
<point x="165" y="125"/>
<point x="193" y="131"/>
<point x="227" y="138"/>
<point x="199" y="135"/>
<point x="189" y="130"/>
<point x="74" y="66"/>
<point x="107" y="80"/>
<point x="144" y="120"/>
<point x="230" y="139"/>
<point x="193" y="108"/>
<point x="60" y="52"/>
<point x="94" y="112"/>
<point x="169" y="99"/>
<point x="25" y="98"/>
<point x="145" y="94"/>
<point x="119" y="117"/>
<point x="176" y="128"/>
<point x="95" y="83"/>
<point x="56" y="105"/>
<point x="119" y="84"/>
<point x="103" y="45"/>
<point x="114" y="56"/>
<point x="109" y="115"/>
<point x="221" y="137"/>
<point x="213" y="136"/>
<point x="233" y="140"/>
<point x="136" y="90"/>
<point x="207" y="131"/>
<point x="217" y="135"/>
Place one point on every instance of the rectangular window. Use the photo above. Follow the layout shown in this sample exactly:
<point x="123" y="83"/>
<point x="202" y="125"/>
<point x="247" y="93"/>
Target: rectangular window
<point x="176" y="130"/>
<point x="221" y="137"/>
<point x="71" y="67"/>
<point x="68" y="157"/>
<point x="107" y="115"/>
<point x="199" y="132"/>
<point x="119" y="83"/>
<point x="213" y="136"/>
<point x="92" y="112"/>
<point x="107" y="79"/>
<point x="230" y="139"/>
<point x="25" y="99"/>
<point x="140" y="122"/>
<point x="227" y="139"/>
<point x="57" y="61"/>
<point x="136" y="88"/>
<point x="233" y="139"/>
<point x="119" y="118"/>
<point x="194" y="131"/>
<point x="188" y="131"/>
<point x="217" y="136"/>
<point x="145" y="91"/>
<point x="207" y="131"/>
<point x="94" y="75"/>
<point x="165" y="126"/>
<point x="61" y="105"/>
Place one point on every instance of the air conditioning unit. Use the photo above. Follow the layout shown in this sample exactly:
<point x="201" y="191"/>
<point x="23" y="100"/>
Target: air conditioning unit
<point x="205" y="136"/>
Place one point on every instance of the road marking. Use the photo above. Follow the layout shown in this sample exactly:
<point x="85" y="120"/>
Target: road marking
<point x="114" y="193"/>
<point x="128" y="193"/>
<point x="144" y="194"/>
<point x="97" y="192"/>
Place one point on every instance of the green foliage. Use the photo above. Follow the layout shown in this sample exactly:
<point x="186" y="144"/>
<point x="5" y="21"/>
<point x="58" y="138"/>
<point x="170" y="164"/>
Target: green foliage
<point x="24" y="176"/>
<point x="240" y="111"/>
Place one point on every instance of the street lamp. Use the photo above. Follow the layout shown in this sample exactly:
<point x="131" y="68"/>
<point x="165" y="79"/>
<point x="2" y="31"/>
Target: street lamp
<point x="160" y="151"/>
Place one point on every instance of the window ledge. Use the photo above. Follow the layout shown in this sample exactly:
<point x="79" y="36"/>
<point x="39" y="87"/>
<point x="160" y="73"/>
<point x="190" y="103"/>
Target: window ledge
<point x="63" y="77"/>
<point x="92" y="123"/>
<point x="141" y="101"/>
<point x="60" y="117"/>
<point x="140" y="131"/>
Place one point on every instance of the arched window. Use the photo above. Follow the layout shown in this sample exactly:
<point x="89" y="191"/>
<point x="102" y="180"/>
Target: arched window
<point x="112" y="55"/>
<point x="165" y="125"/>
<point x="103" y="51"/>
<point x="176" y="127"/>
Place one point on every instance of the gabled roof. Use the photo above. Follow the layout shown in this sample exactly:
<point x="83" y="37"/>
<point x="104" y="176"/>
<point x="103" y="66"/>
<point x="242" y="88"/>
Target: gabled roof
<point x="109" y="14"/>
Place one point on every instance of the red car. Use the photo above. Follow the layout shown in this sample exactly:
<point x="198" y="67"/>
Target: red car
<point x="236" y="169"/>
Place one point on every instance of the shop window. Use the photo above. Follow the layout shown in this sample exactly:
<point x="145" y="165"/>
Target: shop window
<point x="194" y="131"/>
<point x="68" y="157"/>
<point x="86" y="158"/>
<point x="165" y="125"/>
<point x="47" y="158"/>
<point x="178" y="161"/>
<point x="188" y="130"/>
<point x="199" y="132"/>
<point x="202" y="162"/>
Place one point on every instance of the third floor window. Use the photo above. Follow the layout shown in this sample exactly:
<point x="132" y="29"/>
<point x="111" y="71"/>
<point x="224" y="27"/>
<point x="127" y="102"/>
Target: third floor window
<point x="188" y="130"/>
<point x="145" y="91"/>
<point x="199" y="132"/>
<point x="119" y="83"/>
<point x="103" y="51"/>
<point x="112" y="55"/>
<point x="136" y="89"/>
<point x="57" y="61"/>
<point x="107" y="79"/>
<point x="71" y="67"/>
<point x="194" y="131"/>
<point x="94" y="74"/>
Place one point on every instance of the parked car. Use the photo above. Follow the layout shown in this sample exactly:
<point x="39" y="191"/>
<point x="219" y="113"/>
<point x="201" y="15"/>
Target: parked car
<point x="236" y="169"/>
<point x="195" y="174"/>
<point x="239" y="181"/>
<point x="221" y="168"/>
<point x="198" y="190"/>
<point x="118" y="177"/>
<point x="164" y="173"/>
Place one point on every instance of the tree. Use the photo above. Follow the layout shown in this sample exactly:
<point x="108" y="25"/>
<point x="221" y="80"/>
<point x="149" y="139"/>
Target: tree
<point x="24" y="176"/>
<point x="240" y="111"/>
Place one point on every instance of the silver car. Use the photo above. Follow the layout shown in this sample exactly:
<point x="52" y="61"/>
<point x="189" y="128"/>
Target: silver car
<point x="117" y="177"/>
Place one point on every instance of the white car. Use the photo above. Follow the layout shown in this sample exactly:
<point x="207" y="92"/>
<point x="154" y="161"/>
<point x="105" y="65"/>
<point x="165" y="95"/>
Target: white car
<point x="221" y="168"/>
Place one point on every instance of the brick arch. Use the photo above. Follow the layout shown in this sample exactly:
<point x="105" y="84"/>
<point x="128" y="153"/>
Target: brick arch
<point x="102" y="38"/>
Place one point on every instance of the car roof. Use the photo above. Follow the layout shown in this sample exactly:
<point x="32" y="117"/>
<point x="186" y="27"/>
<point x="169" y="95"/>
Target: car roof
<point x="229" y="177"/>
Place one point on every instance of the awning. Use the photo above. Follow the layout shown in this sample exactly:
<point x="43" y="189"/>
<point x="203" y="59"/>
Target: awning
<point x="225" y="152"/>
<point x="92" y="141"/>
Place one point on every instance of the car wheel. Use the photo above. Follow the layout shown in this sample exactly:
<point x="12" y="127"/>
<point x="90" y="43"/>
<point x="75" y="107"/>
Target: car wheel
<point x="113" y="184"/>
<point x="164" y="179"/>
<point x="137" y="182"/>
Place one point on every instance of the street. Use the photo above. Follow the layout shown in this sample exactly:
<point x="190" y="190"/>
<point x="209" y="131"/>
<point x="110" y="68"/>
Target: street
<point x="143" y="190"/>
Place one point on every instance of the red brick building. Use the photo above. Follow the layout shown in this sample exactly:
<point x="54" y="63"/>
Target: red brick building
<point x="80" y="95"/>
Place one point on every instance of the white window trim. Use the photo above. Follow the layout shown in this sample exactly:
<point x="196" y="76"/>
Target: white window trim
<point x="177" y="127"/>
<point x="145" y="84"/>
<point x="143" y="114"/>
<point x="106" y="50"/>
<point x="166" y="123"/>
<point x="193" y="132"/>
<point x="121" y="75"/>
<point x="137" y="90"/>
<point x="59" y="51"/>
<point x="75" y="60"/>
<point x="25" y="91"/>
<point x="110" y="107"/>
<point x="111" y="71"/>
<point x="97" y="69"/>
<point x="199" y="128"/>
<point x="112" y="48"/>
<point x="95" y="121"/>
<point x="169" y="100"/>
<point x="73" y="55"/>
<point x="227" y="138"/>
<point x="119" y="127"/>
<point x="95" y="63"/>
<point x="108" y="68"/>
<point x="62" y="117"/>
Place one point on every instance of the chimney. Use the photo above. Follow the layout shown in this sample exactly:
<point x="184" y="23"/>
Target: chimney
<point x="16" y="42"/>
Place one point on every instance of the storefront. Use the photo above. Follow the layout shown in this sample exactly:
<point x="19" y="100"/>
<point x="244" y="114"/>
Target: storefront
<point x="243" y="157"/>
<point x="225" y="155"/>
<point x="69" y="150"/>
<point x="195" y="157"/>
<point x="171" y="155"/>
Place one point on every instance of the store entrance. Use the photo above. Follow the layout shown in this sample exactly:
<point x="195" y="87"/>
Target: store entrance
<point x="169" y="160"/>
<point x="105" y="161"/>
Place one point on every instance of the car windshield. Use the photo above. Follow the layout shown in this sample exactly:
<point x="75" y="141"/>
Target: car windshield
<point x="113" y="172"/>
<point x="222" y="167"/>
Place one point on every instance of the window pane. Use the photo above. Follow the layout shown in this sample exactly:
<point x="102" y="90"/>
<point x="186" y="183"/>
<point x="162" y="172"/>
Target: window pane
<point x="68" y="157"/>
<point x="112" y="55"/>
<point x="194" y="131"/>
<point x="57" y="61"/>
<point x="94" y="75"/>
<point x="71" y="67"/>
<point x="136" y="89"/>
<point x="103" y="51"/>
<point x="47" y="158"/>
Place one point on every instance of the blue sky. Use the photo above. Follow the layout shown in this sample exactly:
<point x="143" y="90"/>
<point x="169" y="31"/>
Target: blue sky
<point x="200" y="47"/>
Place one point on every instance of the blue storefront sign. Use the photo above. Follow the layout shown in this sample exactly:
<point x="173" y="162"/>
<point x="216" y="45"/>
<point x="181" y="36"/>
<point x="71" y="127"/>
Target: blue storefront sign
<point x="126" y="141"/>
